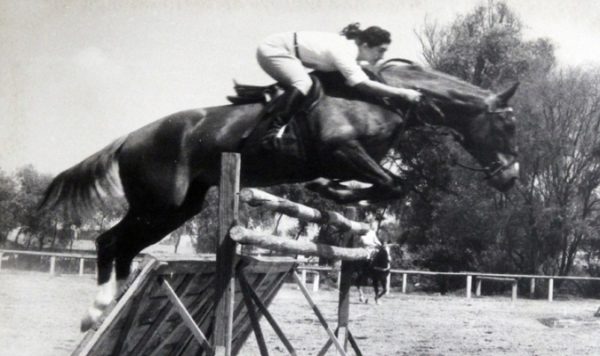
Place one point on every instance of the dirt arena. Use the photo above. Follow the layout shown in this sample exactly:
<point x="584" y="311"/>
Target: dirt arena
<point x="39" y="315"/>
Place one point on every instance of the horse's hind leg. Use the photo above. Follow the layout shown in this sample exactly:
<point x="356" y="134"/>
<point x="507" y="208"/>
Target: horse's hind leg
<point x="106" y="247"/>
<point x="137" y="230"/>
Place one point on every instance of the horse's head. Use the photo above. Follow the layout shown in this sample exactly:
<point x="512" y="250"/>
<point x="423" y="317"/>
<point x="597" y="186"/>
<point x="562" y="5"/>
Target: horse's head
<point x="489" y="136"/>
<point x="484" y="120"/>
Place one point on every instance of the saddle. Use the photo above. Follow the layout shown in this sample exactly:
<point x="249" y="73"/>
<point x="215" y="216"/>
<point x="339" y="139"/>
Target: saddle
<point x="250" y="94"/>
<point x="297" y="136"/>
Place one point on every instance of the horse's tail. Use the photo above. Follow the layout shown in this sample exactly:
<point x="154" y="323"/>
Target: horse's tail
<point x="88" y="182"/>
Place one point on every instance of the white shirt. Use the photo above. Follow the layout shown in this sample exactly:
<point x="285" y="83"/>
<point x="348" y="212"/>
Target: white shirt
<point x="330" y="52"/>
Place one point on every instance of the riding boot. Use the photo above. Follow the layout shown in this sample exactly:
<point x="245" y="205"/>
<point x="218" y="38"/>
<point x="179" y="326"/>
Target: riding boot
<point x="283" y="111"/>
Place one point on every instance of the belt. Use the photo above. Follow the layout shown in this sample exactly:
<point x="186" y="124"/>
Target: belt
<point x="296" y="51"/>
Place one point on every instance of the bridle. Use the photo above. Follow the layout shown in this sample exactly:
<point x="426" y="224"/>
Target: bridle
<point x="493" y="168"/>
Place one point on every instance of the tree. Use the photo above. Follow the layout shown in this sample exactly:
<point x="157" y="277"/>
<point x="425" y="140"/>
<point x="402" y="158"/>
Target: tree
<point x="472" y="227"/>
<point x="8" y="193"/>
<point x="561" y="170"/>
<point x="31" y="185"/>
<point x="485" y="47"/>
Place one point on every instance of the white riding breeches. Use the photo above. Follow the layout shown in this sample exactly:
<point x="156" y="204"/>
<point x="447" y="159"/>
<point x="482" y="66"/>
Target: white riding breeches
<point x="276" y="56"/>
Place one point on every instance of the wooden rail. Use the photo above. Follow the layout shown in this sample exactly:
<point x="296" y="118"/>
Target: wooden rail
<point x="256" y="197"/>
<point x="307" y="248"/>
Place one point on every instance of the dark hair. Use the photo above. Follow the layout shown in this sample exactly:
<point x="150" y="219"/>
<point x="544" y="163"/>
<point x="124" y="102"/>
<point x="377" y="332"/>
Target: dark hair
<point x="372" y="36"/>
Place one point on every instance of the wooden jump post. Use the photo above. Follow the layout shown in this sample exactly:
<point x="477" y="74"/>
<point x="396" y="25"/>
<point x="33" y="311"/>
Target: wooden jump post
<point x="226" y="251"/>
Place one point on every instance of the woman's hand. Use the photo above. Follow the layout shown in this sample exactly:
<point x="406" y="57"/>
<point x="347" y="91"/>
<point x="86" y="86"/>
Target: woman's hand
<point x="376" y="88"/>
<point x="410" y="95"/>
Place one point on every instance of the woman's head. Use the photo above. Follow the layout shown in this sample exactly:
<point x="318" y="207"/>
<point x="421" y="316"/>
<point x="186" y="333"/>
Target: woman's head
<point x="372" y="42"/>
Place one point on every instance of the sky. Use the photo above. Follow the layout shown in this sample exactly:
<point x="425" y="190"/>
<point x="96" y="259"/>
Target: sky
<point x="77" y="74"/>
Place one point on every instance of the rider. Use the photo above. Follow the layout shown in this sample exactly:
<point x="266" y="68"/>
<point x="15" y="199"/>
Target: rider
<point x="286" y="57"/>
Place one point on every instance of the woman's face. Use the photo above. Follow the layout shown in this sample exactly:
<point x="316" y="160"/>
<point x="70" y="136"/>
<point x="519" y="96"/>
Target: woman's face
<point x="371" y="54"/>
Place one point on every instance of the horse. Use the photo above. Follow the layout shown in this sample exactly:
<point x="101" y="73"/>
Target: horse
<point x="164" y="169"/>
<point x="376" y="270"/>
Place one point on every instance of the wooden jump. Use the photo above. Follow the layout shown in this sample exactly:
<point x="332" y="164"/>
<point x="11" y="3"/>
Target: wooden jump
<point x="208" y="305"/>
<point x="169" y="307"/>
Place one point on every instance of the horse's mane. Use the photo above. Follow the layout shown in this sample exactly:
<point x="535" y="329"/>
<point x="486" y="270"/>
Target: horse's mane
<point x="442" y="87"/>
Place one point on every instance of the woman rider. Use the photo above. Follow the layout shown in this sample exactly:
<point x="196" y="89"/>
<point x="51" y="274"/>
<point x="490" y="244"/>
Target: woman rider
<point x="286" y="57"/>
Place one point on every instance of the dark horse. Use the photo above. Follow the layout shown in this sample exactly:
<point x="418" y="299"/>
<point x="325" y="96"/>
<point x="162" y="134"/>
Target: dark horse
<point x="376" y="270"/>
<point x="165" y="168"/>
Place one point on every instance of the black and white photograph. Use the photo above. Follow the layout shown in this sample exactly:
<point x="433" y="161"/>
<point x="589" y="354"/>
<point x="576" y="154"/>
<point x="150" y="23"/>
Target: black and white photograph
<point x="299" y="177"/>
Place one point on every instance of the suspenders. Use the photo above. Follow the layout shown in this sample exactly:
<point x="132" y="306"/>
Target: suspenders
<point x="296" y="51"/>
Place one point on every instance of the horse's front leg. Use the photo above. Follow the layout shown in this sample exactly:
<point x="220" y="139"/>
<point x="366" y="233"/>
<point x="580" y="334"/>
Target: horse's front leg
<point x="361" y="295"/>
<point x="353" y="160"/>
<point x="376" y="289"/>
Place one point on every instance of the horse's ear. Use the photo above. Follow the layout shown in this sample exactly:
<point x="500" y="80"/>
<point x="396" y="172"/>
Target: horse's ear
<point x="505" y="96"/>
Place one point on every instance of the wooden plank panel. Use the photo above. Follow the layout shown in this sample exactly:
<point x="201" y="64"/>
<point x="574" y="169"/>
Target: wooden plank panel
<point x="158" y="326"/>
<point x="197" y="306"/>
<point x="94" y="343"/>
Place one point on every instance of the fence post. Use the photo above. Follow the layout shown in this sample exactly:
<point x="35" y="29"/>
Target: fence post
<point x="532" y="288"/>
<point x="469" y="282"/>
<point x="1" y="261"/>
<point x="303" y="279"/>
<point x="404" y="277"/>
<point x="81" y="265"/>
<point x="316" y="277"/>
<point x="550" y="289"/>
<point x="52" y="264"/>
<point x="478" y="287"/>
<point x="514" y="290"/>
<point x="388" y="283"/>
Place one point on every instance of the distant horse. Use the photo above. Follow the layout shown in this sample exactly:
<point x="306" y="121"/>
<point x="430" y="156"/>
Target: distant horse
<point x="165" y="168"/>
<point x="375" y="270"/>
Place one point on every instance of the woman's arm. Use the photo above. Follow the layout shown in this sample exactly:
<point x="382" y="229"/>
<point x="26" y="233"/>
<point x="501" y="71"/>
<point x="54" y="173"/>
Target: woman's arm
<point x="375" y="88"/>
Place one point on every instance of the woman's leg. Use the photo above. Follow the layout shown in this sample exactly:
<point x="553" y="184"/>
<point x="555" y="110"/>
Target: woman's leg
<point x="283" y="66"/>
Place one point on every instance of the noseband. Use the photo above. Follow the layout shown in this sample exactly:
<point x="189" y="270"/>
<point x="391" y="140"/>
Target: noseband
<point x="493" y="168"/>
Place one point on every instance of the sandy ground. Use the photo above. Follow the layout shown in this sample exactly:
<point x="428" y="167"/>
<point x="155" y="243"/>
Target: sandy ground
<point x="39" y="315"/>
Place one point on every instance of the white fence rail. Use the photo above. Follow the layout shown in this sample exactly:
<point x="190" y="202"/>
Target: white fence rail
<point x="53" y="256"/>
<point x="479" y="277"/>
